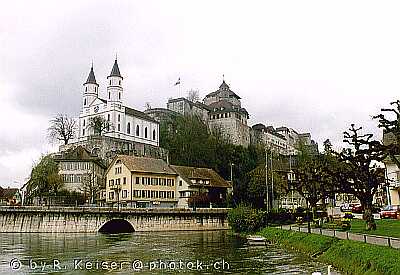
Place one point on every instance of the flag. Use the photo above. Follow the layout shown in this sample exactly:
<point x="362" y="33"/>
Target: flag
<point x="178" y="82"/>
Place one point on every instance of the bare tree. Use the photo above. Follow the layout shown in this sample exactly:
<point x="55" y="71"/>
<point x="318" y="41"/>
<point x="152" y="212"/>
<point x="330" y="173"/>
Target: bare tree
<point x="99" y="125"/>
<point x="147" y="105"/>
<point x="359" y="174"/>
<point x="90" y="186"/>
<point x="62" y="128"/>
<point x="193" y="95"/>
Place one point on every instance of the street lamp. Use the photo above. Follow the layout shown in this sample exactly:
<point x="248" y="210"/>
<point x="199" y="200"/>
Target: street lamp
<point x="117" y="188"/>
<point x="266" y="177"/>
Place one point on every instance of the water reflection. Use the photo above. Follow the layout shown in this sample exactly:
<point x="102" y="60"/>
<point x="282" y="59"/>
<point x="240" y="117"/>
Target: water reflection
<point x="151" y="248"/>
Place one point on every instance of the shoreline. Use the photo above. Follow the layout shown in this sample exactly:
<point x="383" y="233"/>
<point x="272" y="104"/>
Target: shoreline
<point x="346" y="256"/>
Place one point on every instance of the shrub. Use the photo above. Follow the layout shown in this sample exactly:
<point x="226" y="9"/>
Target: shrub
<point x="245" y="219"/>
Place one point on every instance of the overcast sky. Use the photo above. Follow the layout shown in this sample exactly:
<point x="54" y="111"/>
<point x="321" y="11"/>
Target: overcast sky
<point x="314" y="66"/>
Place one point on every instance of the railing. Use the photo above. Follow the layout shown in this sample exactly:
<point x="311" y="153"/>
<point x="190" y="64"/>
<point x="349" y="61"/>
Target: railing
<point x="107" y="209"/>
<point x="345" y="235"/>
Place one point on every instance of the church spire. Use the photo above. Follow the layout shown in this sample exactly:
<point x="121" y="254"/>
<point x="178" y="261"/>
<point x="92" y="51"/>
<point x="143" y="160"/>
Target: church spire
<point x="115" y="70"/>
<point x="91" y="78"/>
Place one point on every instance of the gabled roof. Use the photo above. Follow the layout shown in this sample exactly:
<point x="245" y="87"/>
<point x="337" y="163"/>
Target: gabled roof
<point x="223" y="88"/>
<point x="139" y="114"/>
<point x="91" y="78"/>
<point x="144" y="164"/>
<point x="115" y="70"/>
<point x="79" y="153"/>
<point x="8" y="193"/>
<point x="188" y="173"/>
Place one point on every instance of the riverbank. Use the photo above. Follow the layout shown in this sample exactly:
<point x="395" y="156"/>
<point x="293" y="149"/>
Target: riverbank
<point x="349" y="257"/>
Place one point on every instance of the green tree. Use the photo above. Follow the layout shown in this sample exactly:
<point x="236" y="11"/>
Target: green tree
<point x="99" y="125"/>
<point x="45" y="179"/>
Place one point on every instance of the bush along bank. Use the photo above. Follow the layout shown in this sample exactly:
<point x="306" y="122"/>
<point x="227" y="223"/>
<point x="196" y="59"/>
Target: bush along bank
<point x="350" y="257"/>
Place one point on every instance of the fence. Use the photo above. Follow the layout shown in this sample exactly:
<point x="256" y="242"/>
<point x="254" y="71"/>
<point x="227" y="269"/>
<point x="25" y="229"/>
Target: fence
<point x="345" y="235"/>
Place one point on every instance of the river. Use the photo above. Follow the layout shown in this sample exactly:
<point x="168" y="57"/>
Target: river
<point x="189" y="252"/>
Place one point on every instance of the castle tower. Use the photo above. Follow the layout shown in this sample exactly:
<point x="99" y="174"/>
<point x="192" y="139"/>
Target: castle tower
<point x="114" y="88"/>
<point x="91" y="89"/>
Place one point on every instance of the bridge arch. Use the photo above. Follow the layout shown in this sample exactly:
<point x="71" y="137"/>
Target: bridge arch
<point x="116" y="226"/>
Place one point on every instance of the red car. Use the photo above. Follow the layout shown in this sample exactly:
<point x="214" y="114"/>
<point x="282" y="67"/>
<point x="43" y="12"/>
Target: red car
<point x="391" y="212"/>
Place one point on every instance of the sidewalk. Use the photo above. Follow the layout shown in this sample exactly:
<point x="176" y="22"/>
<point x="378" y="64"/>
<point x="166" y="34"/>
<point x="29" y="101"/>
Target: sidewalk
<point x="345" y="235"/>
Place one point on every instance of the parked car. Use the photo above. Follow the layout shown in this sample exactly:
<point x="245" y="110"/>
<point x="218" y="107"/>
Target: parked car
<point x="359" y="209"/>
<point x="390" y="211"/>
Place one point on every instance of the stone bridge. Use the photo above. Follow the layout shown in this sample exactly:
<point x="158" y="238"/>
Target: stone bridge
<point x="109" y="220"/>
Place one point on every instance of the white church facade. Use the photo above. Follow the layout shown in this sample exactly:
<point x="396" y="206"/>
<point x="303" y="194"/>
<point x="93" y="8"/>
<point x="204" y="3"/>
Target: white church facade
<point x="125" y="123"/>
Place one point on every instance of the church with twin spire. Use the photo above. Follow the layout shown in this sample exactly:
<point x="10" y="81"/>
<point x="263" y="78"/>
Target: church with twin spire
<point x="124" y="123"/>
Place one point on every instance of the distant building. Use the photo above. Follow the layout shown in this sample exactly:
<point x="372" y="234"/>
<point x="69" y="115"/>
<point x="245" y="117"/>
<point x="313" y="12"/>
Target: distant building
<point x="227" y="115"/>
<point x="186" y="107"/>
<point x="270" y="138"/>
<point x="140" y="182"/>
<point x="161" y="114"/>
<point x="193" y="181"/>
<point x="10" y="196"/>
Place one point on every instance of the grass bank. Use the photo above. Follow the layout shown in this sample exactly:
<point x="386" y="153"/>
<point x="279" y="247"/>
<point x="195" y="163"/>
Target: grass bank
<point x="349" y="257"/>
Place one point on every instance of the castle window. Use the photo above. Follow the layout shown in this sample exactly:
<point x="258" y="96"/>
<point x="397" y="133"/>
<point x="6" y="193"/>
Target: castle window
<point x="128" y="128"/>
<point x="145" y="132"/>
<point x="137" y="130"/>
<point x="154" y="134"/>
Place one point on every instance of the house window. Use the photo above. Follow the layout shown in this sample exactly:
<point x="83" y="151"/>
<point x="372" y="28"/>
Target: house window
<point x="108" y="117"/>
<point x="84" y="102"/>
<point x="119" y="127"/>
<point x="145" y="132"/>
<point x="119" y="118"/>
<point x="137" y="130"/>
<point x="124" y="193"/>
<point x="83" y="132"/>
<point x="137" y="180"/>
<point x="119" y="82"/>
<point x="124" y="180"/>
<point x="110" y="81"/>
<point x="109" y="95"/>
<point x="119" y="95"/>
<point x="84" y="122"/>
<point x="154" y="134"/>
<point x="128" y="128"/>
<point x="180" y="183"/>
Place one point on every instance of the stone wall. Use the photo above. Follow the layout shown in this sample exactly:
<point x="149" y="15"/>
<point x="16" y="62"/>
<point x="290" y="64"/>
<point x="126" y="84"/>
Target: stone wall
<point x="108" y="147"/>
<point x="80" y="220"/>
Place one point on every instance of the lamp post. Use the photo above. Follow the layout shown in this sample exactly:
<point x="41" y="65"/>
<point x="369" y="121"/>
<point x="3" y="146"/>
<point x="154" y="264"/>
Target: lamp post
<point x="272" y="183"/>
<point x="117" y="188"/>
<point x="266" y="177"/>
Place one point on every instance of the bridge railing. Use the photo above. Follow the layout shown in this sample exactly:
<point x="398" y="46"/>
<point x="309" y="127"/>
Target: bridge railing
<point x="107" y="209"/>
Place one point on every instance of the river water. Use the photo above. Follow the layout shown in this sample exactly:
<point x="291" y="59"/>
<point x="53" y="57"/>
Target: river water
<point x="189" y="252"/>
